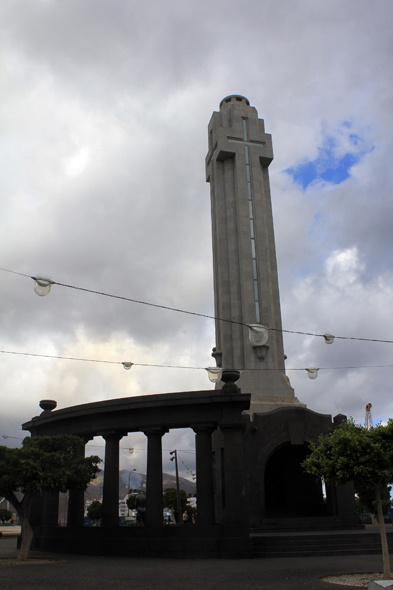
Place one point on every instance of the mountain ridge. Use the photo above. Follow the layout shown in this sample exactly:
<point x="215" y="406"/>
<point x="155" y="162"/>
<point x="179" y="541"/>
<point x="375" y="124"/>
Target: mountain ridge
<point x="133" y="480"/>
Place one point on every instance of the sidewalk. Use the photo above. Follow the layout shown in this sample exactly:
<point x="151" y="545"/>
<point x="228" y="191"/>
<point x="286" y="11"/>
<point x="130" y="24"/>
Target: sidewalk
<point x="9" y="531"/>
<point x="369" y="528"/>
<point x="121" y="573"/>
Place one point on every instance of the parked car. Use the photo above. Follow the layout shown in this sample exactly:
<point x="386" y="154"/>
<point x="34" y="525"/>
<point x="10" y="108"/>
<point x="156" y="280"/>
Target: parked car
<point x="365" y="518"/>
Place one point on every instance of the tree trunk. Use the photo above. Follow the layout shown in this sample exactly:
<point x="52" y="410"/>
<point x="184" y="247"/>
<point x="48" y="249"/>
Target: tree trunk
<point x="27" y="537"/>
<point x="382" y="530"/>
<point x="26" y="530"/>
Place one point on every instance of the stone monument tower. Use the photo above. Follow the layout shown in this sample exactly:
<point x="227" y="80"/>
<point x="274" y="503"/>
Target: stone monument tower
<point x="244" y="255"/>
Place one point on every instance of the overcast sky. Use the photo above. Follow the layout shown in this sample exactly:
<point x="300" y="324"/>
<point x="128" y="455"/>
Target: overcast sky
<point x="104" y="111"/>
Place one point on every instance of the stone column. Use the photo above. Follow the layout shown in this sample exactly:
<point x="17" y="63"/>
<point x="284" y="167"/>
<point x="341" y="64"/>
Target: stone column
<point x="234" y="511"/>
<point x="204" y="470"/>
<point x="110" y="502"/>
<point x="50" y="515"/>
<point x="76" y="508"/>
<point x="36" y="510"/>
<point x="76" y="499"/>
<point x="154" y="495"/>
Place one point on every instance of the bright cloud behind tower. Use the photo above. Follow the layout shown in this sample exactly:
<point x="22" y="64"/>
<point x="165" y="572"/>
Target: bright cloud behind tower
<point x="105" y="107"/>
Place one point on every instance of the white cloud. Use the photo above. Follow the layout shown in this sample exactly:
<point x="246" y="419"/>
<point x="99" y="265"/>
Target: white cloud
<point x="76" y="164"/>
<point x="343" y="267"/>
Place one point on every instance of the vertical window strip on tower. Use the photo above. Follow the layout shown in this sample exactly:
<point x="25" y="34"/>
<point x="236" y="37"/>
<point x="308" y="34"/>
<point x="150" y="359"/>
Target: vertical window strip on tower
<point x="251" y="216"/>
<point x="245" y="135"/>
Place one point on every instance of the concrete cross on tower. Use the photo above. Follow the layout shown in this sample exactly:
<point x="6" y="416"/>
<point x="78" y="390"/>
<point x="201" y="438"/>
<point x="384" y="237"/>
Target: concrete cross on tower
<point x="244" y="256"/>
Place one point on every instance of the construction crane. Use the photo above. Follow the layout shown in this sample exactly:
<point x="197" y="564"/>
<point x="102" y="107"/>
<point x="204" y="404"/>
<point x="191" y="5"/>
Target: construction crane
<point x="368" y="419"/>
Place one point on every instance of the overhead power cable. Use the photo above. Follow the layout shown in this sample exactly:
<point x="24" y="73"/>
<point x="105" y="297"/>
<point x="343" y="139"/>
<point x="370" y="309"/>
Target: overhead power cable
<point x="69" y="358"/>
<point x="135" y="448"/>
<point x="8" y="436"/>
<point x="202" y="315"/>
<point x="5" y="436"/>
<point x="188" y="470"/>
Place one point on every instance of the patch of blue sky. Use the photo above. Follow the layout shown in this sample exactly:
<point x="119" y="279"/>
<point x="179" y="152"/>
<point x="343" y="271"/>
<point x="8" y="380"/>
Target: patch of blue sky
<point x="340" y="171"/>
<point x="331" y="165"/>
<point x="325" y="168"/>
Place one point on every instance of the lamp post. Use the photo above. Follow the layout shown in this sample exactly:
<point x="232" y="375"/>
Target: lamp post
<point x="179" y="514"/>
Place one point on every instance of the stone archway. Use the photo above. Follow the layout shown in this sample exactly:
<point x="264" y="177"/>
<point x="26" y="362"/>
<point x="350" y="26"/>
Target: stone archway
<point x="289" y="492"/>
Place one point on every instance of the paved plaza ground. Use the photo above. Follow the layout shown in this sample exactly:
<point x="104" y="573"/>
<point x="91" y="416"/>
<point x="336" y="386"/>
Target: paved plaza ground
<point x="121" y="573"/>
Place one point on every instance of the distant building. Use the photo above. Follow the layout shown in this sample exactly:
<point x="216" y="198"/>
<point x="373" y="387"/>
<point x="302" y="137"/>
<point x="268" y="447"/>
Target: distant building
<point x="192" y="501"/>
<point x="123" y="508"/>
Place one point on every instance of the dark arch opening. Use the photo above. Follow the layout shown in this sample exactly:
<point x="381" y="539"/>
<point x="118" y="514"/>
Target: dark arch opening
<point x="290" y="492"/>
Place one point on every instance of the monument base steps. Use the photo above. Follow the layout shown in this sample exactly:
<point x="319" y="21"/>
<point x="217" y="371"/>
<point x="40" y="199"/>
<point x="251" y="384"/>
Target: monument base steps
<point x="319" y="545"/>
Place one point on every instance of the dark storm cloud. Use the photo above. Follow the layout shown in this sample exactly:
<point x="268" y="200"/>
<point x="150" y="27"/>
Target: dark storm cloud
<point x="105" y="111"/>
<point x="120" y="40"/>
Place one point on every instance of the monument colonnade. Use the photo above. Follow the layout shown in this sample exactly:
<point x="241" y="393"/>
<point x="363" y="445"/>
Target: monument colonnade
<point x="203" y="411"/>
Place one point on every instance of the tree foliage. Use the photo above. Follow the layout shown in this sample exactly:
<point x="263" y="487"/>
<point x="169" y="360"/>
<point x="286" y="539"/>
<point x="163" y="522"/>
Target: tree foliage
<point x="5" y="515"/>
<point x="190" y="509"/>
<point x="131" y="501"/>
<point x="44" y="463"/>
<point x="352" y="453"/>
<point x="366" y="498"/>
<point x="94" y="510"/>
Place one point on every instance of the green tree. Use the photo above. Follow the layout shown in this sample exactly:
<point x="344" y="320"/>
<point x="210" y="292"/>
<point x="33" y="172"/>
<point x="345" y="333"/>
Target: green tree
<point x="5" y="515"/>
<point x="352" y="453"/>
<point x="190" y="510"/>
<point x="131" y="501"/>
<point x="170" y="499"/>
<point x="43" y="463"/>
<point x="94" y="510"/>
<point x="366" y="498"/>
